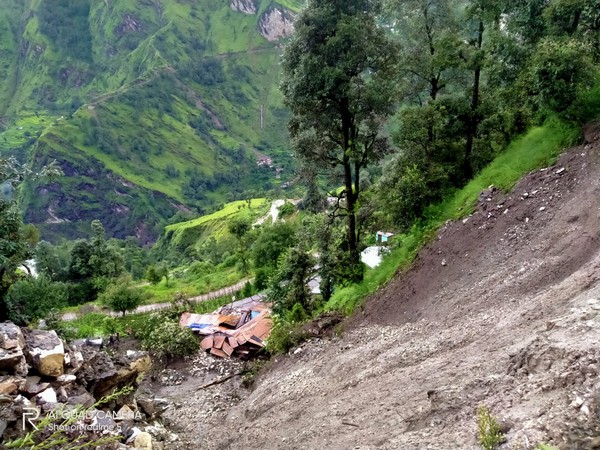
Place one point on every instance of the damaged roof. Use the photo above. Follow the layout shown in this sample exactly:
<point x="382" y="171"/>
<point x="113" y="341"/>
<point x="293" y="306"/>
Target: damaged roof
<point x="240" y="327"/>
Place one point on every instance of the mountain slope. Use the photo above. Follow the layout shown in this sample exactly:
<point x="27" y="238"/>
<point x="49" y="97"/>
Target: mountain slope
<point x="509" y="319"/>
<point x="150" y="107"/>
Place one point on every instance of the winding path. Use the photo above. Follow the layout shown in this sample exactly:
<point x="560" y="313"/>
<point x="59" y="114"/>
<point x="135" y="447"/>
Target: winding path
<point x="229" y="290"/>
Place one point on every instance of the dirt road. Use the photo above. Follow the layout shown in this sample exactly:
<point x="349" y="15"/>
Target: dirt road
<point x="502" y="309"/>
<point x="229" y="290"/>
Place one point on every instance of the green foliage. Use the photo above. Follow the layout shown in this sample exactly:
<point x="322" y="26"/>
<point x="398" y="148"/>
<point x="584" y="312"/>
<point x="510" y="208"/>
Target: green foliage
<point x="559" y="70"/>
<point x="65" y="23"/>
<point x="546" y="447"/>
<point x="193" y="76"/>
<point x="288" y="286"/>
<point x="90" y="325"/>
<point x="121" y="297"/>
<point x="284" y="336"/>
<point x="286" y="210"/>
<point x="338" y="80"/>
<point x="239" y="227"/>
<point x="16" y="241"/>
<point x="489" y="435"/>
<point x="169" y="340"/>
<point x="153" y="275"/>
<point x="272" y="241"/>
<point x="403" y="193"/>
<point x="51" y="261"/>
<point x="33" y="298"/>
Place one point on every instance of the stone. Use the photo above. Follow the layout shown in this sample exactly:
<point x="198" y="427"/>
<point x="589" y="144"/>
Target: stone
<point x="243" y="6"/>
<point x="104" y="420"/>
<point x="33" y="385"/>
<point x="74" y="359"/>
<point x="66" y="379"/>
<point x="62" y="395"/>
<point x="46" y="352"/>
<point x="125" y="413"/>
<point x="142" y="363"/>
<point x="132" y="434"/>
<point x="47" y="396"/>
<point x="143" y="441"/>
<point x="9" y="385"/>
<point x="85" y="399"/>
<point x="146" y="405"/>
<point x="276" y="23"/>
<point x="12" y="343"/>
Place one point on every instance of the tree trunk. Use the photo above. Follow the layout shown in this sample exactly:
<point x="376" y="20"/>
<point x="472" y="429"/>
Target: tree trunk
<point x="473" y="121"/>
<point x="351" y="213"/>
<point x="349" y="141"/>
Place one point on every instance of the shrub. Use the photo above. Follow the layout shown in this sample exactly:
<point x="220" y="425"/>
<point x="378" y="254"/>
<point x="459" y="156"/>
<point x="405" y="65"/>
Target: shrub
<point x="121" y="297"/>
<point x="169" y="340"/>
<point x="284" y="335"/>
<point x="489" y="429"/>
<point x="287" y="209"/>
<point x="33" y="298"/>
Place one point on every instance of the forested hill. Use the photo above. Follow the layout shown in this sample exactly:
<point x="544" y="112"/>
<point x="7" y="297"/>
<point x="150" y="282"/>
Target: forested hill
<point x="150" y="106"/>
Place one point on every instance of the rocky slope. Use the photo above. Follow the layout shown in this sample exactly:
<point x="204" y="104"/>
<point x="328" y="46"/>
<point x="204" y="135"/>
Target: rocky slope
<point x="502" y="309"/>
<point x="41" y="375"/>
<point x="150" y="107"/>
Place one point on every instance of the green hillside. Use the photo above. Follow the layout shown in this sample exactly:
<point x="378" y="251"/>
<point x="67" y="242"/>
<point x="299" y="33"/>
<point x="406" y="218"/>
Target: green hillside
<point x="150" y="107"/>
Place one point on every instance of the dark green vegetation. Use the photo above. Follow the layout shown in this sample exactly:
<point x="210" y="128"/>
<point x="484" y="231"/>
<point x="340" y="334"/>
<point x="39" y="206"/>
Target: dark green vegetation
<point x="151" y="108"/>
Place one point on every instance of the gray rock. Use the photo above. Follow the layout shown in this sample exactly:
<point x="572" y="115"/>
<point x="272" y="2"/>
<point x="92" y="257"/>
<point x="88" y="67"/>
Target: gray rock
<point x="85" y="399"/>
<point x="33" y="385"/>
<point x="147" y="406"/>
<point x="276" y="23"/>
<point x="66" y="379"/>
<point x="45" y="352"/>
<point x="12" y="343"/>
<point x="47" y="396"/>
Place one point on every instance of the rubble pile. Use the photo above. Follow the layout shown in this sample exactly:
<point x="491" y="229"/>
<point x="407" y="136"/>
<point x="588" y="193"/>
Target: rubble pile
<point x="240" y="328"/>
<point x="43" y="376"/>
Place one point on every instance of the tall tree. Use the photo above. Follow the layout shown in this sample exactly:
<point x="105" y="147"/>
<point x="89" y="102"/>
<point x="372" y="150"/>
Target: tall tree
<point x="428" y="31"/>
<point x="338" y="81"/>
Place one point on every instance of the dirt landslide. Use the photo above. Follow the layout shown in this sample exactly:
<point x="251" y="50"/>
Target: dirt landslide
<point x="502" y="309"/>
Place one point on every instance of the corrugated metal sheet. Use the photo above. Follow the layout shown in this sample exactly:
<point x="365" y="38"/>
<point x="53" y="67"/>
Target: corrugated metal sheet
<point x="236" y="328"/>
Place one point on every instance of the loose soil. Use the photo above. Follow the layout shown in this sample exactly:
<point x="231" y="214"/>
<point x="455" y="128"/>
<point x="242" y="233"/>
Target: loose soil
<point x="500" y="310"/>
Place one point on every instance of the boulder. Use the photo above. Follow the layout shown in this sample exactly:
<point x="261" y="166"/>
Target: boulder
<point x="102" y="375"/>
<point x="10" y="385"/>
<point x="125" y="413"/>
<point x="143" y="441"/>
<point x="47" y="396"/>
<point x="65" y="379"/>
<point x="33" y="385"/>
<point x="45" y="352"/>
<point x="140" y="363"/>
<point x="85" y="399"/>
<point x="146" y="405"/>
<point x="12" y="343"/>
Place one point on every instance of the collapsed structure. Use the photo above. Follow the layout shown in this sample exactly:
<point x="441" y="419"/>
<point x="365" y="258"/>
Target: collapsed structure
<point x="239" y="328"/>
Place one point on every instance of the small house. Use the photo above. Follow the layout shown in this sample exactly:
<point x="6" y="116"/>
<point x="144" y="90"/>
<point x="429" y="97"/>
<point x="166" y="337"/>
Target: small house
<point x="383" y="237"/>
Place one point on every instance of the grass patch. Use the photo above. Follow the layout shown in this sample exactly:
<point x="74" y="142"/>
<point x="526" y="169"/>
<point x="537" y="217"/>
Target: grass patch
<point x="190" y="287"/>
<point x="539" y="147"/>
<point x="196" y="232"/>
